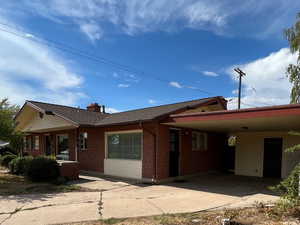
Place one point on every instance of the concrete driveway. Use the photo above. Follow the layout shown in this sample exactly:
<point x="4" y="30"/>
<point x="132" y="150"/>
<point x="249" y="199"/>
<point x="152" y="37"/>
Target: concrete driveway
<point x="126" y="199"/>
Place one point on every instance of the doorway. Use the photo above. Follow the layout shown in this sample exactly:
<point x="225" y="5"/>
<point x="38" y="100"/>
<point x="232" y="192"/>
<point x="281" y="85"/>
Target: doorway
<point x="174" y="152"/>
<point x="48" y="145"/>
<point x="272" y="157"/>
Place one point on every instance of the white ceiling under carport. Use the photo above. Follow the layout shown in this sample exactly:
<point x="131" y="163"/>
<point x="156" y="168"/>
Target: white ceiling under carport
<point x="274" y="123"/>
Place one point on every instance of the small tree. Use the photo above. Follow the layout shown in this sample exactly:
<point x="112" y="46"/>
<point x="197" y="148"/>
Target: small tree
<point x="7" y="125"/>
<point x="289" y="188"/>
<point x="293" y="71"/>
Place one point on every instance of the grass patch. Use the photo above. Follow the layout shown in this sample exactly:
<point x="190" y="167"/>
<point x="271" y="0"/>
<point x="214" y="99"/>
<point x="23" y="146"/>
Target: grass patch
<point x="259" y="215"/>
<point x="14" y="185"/>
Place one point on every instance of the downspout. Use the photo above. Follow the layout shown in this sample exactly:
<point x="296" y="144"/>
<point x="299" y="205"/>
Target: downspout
<point x="155" y="151"/>
<point x="76" y="145"/>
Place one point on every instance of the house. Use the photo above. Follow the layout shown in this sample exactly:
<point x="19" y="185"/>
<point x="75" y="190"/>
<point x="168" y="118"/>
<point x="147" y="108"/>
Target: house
<point x="158" y="143"/>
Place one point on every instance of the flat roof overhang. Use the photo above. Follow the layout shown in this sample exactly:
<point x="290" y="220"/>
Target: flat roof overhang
<point x="274" y="118"/>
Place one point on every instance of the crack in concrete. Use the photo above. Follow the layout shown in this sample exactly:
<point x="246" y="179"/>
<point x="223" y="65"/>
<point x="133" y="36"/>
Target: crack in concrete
<point x="155" y="206"/>
<point x="43" y="206"/>
<point x="11" y="214"/>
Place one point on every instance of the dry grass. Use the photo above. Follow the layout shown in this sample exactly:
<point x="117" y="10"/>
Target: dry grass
<point x="248" y="216"/>
<point x="14" y="185"/>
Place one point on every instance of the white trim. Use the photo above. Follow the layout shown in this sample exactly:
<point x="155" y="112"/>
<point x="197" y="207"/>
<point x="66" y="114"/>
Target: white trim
<point x="124" y="131"/>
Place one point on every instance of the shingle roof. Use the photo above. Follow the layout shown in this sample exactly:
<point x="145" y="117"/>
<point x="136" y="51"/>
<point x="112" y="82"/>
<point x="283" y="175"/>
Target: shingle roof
<point x="149" y="113"/>
<point x="77" y="115"/>
<point x="84" y="117"/>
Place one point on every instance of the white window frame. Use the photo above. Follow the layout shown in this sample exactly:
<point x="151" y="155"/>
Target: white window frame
<point x="205" y="141"/>
<point x="36" y="138"/>
<point x="124" y="132"/>
<point x="85" y="142"/>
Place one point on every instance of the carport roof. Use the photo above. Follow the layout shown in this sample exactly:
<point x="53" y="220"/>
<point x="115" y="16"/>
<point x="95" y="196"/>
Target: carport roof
<point x="281" y="117"/>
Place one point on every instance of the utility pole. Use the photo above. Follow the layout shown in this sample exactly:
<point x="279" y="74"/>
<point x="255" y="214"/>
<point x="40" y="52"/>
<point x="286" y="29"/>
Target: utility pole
<point x="241" y="74"/>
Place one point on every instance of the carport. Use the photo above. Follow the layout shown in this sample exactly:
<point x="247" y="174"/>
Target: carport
<point x="262" y="135"/>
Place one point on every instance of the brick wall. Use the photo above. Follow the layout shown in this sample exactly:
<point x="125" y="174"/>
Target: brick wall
<point x="200" y="161"/>
<point x="154" y="136"/>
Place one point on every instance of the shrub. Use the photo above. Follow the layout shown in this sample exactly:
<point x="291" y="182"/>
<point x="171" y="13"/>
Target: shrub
<point x="289" y="188"/>
<point x="7" y="151"/>
<point x="5" y="160"/>
<point x="19" y="165"/>
<point x="43" y="169"/>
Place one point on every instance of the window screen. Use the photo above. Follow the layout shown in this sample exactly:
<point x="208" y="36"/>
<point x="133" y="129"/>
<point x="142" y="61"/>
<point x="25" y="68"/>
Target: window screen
<point x="198" y="141"/>
<point x="124" y="146"/>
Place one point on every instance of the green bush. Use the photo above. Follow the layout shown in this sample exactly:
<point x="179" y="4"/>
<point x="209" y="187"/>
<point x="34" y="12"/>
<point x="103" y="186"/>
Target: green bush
<point x="5" y="160"/>
<point x="19" y="165"/>
<point x="43" y="169"/>
<point x="7" y="151"/>
<point x="289" y="188"/>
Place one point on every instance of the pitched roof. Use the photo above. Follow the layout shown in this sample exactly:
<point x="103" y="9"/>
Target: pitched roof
<point x="76" y="115"/>
<point x="150" y="113"/>
<point x="84" y="117"/>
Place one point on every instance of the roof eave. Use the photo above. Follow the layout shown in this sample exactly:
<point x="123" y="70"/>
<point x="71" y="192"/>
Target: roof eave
<point x="56" y="114"/>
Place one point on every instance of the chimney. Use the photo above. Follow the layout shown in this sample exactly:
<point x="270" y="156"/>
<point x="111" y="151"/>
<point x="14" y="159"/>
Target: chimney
<point x="103" y="109"/>
<point x="94" y="107"/>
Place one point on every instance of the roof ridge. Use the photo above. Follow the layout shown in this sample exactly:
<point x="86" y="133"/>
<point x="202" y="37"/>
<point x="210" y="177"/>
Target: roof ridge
<point x="194" y="100"/>
<point x="110" y="114"/>
<point x="61" y="105"/>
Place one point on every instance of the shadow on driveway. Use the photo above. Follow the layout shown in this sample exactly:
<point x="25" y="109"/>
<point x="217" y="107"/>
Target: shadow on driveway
<point x="227" y="184"/>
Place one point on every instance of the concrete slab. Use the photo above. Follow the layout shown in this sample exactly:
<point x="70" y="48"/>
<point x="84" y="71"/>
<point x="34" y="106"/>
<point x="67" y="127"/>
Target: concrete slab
<point x="124" y="199"/>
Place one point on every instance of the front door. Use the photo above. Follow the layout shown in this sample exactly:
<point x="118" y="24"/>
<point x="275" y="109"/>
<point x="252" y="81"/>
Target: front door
<point x="174" y="153"/>
<point x="272" y="157"/>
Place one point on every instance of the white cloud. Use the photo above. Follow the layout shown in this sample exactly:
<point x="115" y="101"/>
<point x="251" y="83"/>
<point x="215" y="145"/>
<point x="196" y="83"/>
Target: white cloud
<point x="136" y="16"/>
<point x="265" y="82"/>
<point x="152" y="102"/>
<point x="111" y="110"/>
<point x="123" y="85"/>
<point x="175" y="84"/>
<point x="210" y="73"/>
<point x="133" y="16"/>
<point x="32" y="71"/>
<point x="92" y="30"/>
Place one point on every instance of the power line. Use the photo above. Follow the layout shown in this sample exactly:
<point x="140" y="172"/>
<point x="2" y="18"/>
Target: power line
<point x="78" y="52"/>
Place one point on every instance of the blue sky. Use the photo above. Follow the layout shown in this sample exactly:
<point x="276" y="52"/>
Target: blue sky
<point x="170" y="51"/>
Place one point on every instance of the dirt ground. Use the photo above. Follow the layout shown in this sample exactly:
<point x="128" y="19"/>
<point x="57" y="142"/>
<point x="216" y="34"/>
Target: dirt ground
<point x="248" y="216"/>
<point x="15" y="185"/>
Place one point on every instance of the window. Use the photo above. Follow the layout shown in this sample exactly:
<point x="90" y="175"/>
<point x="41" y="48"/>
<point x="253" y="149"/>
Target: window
<point x="199" y="142"/>
<point x="124" y="146"/>
<point x="29" y="143"/>
<point x="62" y="147"/>
<point x="25" y="143"/>
<point x="36" y="142"/>
<point x="83" y="140"/>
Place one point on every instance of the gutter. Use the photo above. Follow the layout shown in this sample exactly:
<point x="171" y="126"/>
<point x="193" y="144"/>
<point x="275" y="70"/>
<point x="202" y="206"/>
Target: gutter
<point x="256" y="109"/>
